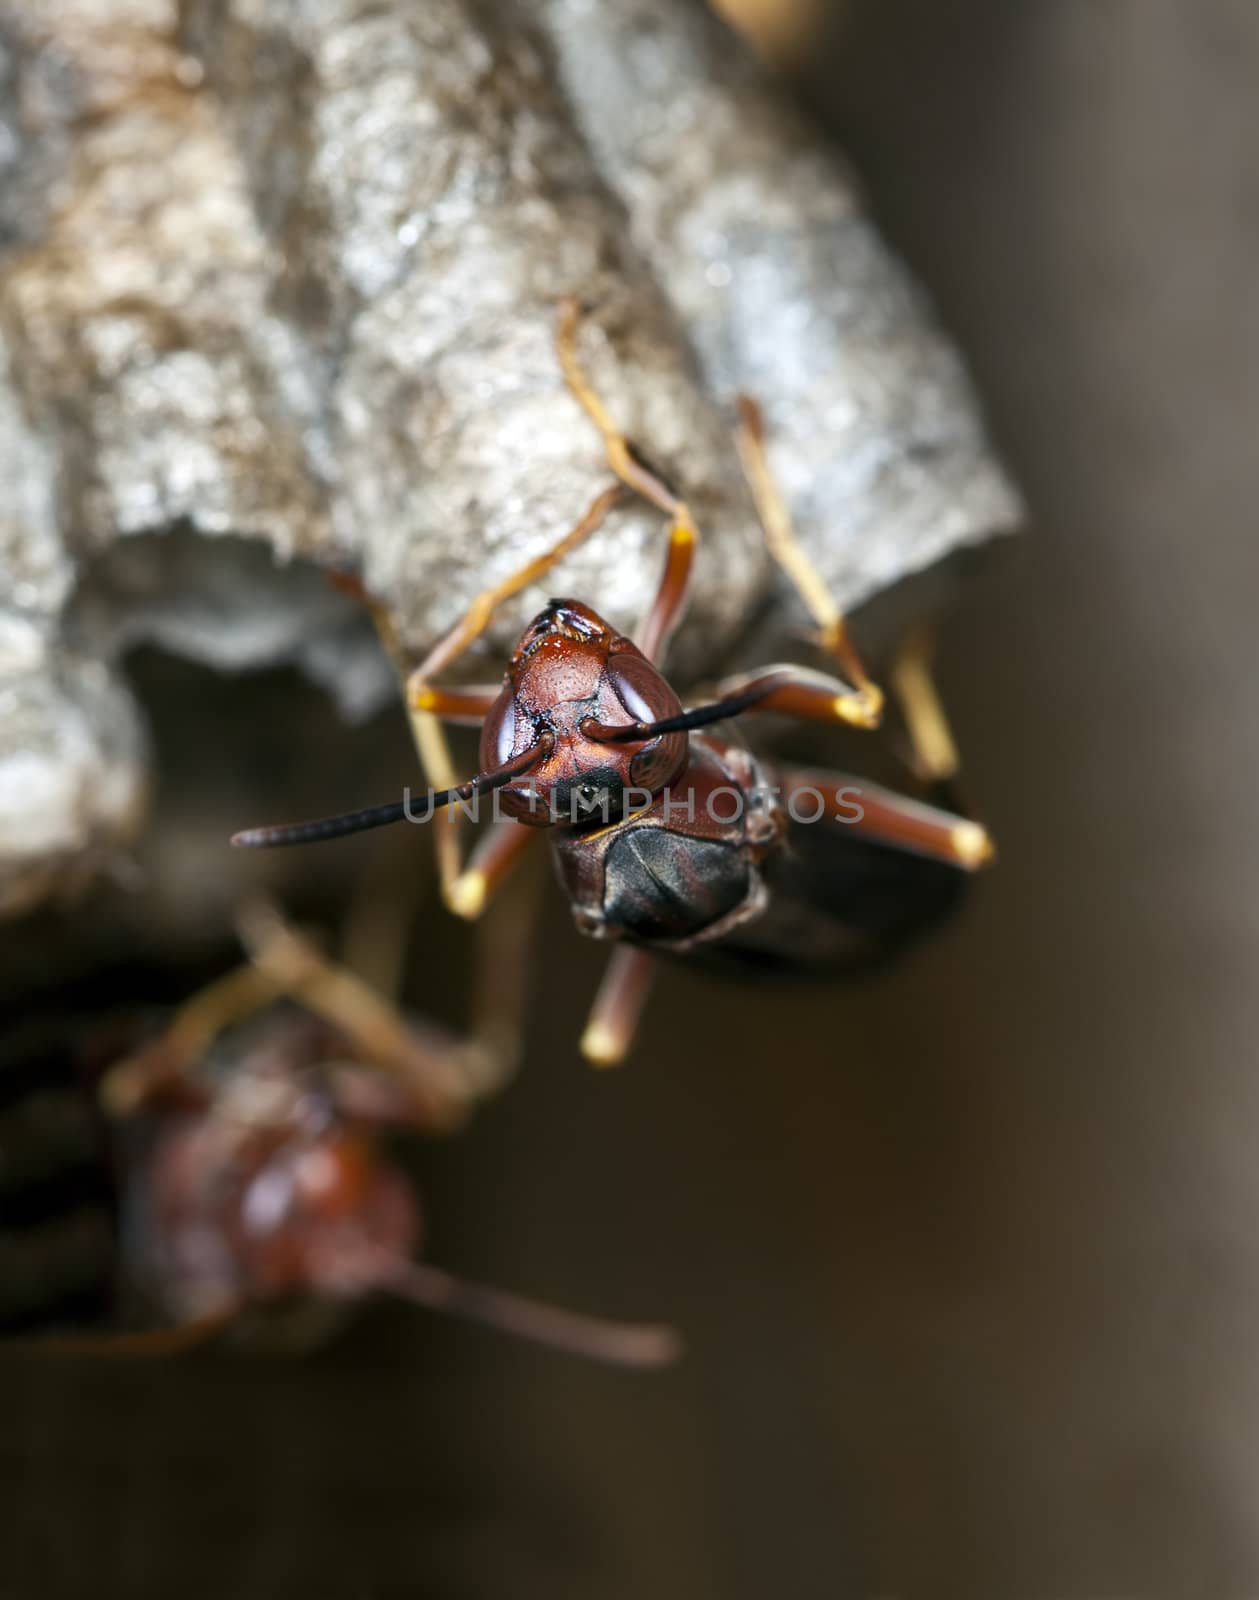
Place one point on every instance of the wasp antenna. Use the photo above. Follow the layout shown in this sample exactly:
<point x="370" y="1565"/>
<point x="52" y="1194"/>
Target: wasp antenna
<point x="285" y="833"/>
<point x="619" y="1344"/>
<point x="683" y="722"/>
<point x="796" y="691"/>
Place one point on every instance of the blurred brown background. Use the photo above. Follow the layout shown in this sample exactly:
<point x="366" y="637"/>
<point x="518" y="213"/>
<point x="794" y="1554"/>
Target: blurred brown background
<point x="967" y="1260"/>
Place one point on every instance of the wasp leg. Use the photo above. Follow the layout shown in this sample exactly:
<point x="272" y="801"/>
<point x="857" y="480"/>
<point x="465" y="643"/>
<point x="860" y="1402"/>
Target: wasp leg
<point x="282" y="963"/>
<point x="617" y="1007"/>
<point x="443" y="1076"/>
<point x="465" y="707"/>
<point x="173" y="1341"/>
<point x="785" y="548"/>
<point x="669" y="605"/>
<point x="468" y="705"/>
<point x="935" y="757"/>
<point x="375" y="929"/>
<point x="798" y="692"/>
<point x="885" y="817"/>
<point x="502" y="966"/>
<point x="437" y="763"/>
<point x="130" y="1083"/>
<point x="485" y="1057"/>
<point x="432" y="1075"/>
<point x="624" y="460"/>
<point x="431" y="745"/>
<point x="429" y="705"/>
<point x="476" y="619"/>
<point x="496" y="854"/>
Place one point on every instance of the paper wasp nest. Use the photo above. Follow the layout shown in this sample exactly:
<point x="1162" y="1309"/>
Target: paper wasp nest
<point x="278" y="280"/>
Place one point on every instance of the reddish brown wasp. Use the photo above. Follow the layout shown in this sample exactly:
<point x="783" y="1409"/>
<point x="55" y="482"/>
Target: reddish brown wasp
<point x="669" y="838"/>
<point x="251" y="1177"/>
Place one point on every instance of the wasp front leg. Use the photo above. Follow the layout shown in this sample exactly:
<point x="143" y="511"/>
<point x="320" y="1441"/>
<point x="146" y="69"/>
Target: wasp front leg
<point x="865" y="699"/>
<point x="430" y="706"/>
<point x="626" y="461"/>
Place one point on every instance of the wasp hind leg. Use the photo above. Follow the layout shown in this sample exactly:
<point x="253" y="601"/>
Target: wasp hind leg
<point x="884" y="817"/>
<point x="935" y="826"/>
<point x="934" y="755"/>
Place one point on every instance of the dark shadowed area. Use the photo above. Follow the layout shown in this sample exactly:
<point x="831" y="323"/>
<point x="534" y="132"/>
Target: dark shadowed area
<point x="967" y="1260"/>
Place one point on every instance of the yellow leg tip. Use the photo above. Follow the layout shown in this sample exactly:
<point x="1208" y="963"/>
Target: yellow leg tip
<point x="601" y="1047"/>
<point x="423" y="699"/>
<point x="861" y="710"/>
<point x="972" y="845"/>
<point x="466" y="895"/>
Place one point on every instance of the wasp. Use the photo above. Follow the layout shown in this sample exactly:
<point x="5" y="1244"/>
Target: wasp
<point x="669" y="836"/>
<point x="254" y="1190"/>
